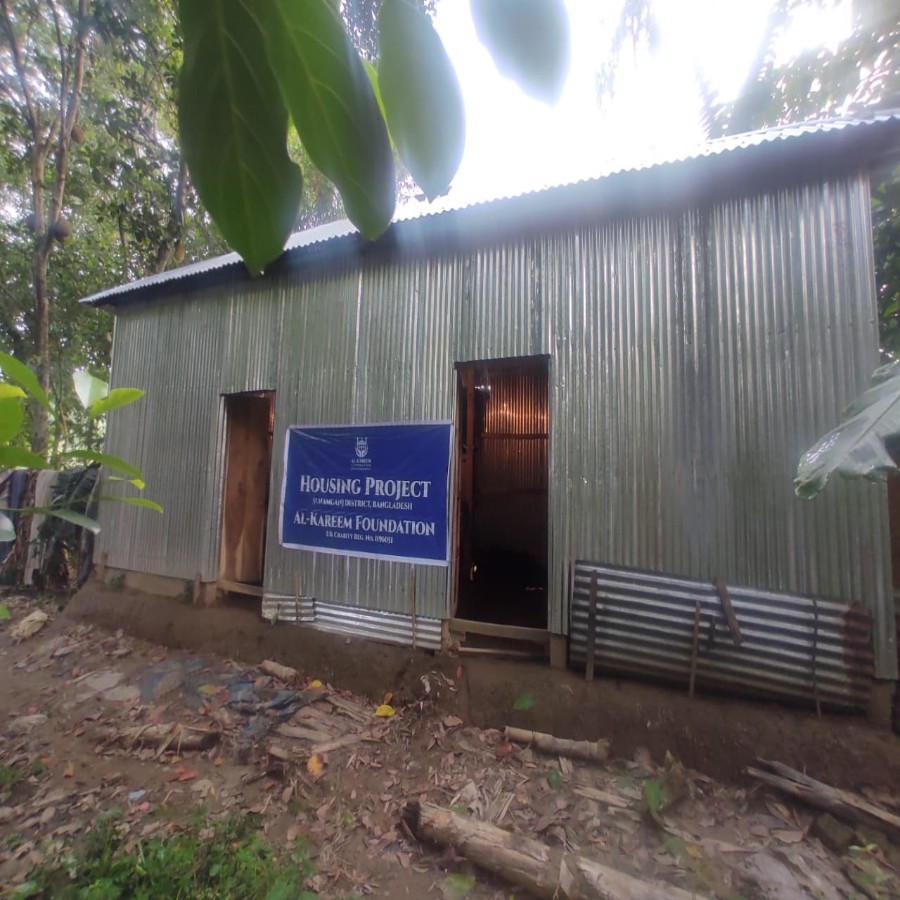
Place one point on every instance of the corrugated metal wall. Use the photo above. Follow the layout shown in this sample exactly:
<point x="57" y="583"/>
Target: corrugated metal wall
<point x="693" y="358"/>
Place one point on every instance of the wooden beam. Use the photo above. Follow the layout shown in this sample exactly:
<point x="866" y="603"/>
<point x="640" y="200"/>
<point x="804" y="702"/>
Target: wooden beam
<point x="592" y="631"/>
<point x="237" y="587"/>
<point x="494" y="629"/>
<point x="695" y="649"/>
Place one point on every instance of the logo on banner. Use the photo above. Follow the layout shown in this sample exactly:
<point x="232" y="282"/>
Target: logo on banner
<point x="362" y="460"/>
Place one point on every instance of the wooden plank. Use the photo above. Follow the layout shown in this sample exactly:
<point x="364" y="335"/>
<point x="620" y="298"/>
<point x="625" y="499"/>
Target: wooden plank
<point x="695" y="649"/>
<point x="592" y="630"/>
<point x="728" y="609"/>
<point x="312" y="717"/>
<point x="245" y="494"/>
<point x="237" y="587"/>
<point x="412" y="602"/>
<point x="354" y="710"/>
<point x="297" y="733"/>
<point x="494" y="629"/>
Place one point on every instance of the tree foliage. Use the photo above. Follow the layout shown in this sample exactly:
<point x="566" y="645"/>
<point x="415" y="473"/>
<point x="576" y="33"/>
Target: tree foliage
<point x="265" y="65"/>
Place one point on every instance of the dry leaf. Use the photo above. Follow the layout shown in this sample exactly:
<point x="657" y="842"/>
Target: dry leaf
<point x="503" y="750"/>
<point x="452" y="722"/>
<point x="384" y="711"/>
<point x="68" y="770"/>
<point x="779" y="810"/>
<point x="183" y="773"/>
<point x="315" y="766"/>
<point x="788" y="837"/>
<point x="388" y="696"/>
<point x="30" y="625"/>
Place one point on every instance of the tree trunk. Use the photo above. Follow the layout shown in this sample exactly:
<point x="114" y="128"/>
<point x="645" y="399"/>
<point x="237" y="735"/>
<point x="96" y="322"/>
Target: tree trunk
<point x="543" y="871"/>
<point x="39" y="417"/>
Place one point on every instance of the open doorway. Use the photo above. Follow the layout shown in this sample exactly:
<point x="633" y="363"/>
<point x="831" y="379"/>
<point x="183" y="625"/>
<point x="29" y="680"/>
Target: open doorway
<point x="502" y="482"/>
<point x="249" y="421"/>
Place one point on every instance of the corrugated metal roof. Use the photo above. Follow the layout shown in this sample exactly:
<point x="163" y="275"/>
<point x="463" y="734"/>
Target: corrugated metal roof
<point x="836" y="137"/>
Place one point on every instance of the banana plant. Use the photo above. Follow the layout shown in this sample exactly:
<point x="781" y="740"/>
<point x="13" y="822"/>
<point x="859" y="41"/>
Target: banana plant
<point x="19" y="386"/>
<point x="858" y="446"/>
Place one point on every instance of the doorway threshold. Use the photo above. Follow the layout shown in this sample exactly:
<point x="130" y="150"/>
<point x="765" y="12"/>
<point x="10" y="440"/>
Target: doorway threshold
<point x="472" y="638"/>
<point x="238" y="587"/>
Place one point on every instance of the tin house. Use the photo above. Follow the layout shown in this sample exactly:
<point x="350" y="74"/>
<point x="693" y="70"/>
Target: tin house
<point x="604" y="389"/>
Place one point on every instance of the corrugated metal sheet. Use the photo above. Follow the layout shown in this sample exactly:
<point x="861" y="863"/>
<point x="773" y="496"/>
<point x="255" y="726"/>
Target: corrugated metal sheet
<point x="808" y="135"/>
<point x="697" y="356"/>
<point x="392" y="628"/>
<point x="694" y="356"/>
<point x="792" y="647"/>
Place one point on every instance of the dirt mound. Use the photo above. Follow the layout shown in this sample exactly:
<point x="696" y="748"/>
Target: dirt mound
<point x="719" y="736"/>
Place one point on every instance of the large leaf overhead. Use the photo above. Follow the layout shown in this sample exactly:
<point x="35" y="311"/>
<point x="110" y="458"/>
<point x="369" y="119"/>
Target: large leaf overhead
<point x="421" y="94"/>
<point x="857" y="446"/>
<point x="233" y="127"/>
<point x="327" y="90"/>
<point x="529" y="41"/>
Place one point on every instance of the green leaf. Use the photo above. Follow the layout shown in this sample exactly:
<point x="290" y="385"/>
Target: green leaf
<point x="103" y="459"/>
<point x="134" y="501"/>
<point x="233" y="126"/>
<point x="88" y="388"/>
<point x="68" y="515"/>
<point x="422" y="97"/>
<point x="529" y="41"/>
<point x="7" y="529"/>
<point x="675" y="846"/>
<point x="11" y="390"/>
<point x="554" y="779"/>
<point x="457" y="886"/>
<point x="20" y="458"/>
<point x="23" y="376"/>
<point x="4" y="609"/>
<point x="11" y="415"/>
<point x="334" y="109"/>
<point x="137" y="482"/>
<point x="523" y="701"/>
<point x="856" y="447"/>
<point x="653" y="796"/>
<point x="376" y="90"/>
<point x="117" y="397"/>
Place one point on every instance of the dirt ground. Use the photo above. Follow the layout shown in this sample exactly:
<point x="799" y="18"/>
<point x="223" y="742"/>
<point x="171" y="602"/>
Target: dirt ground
<point x="719" y="736"/>
<point x="85" y="700"/>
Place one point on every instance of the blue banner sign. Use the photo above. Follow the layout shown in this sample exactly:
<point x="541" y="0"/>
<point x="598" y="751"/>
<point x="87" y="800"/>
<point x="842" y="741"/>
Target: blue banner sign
<point x="377" y="491"/>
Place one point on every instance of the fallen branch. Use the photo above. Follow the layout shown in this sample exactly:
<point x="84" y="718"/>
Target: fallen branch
<point x="284" y="673"/>
<point x="185" y="736"/>
<point x="843" y="804"/>
<point x="298" y="733"/>
<point x="595" y="751"/>
<point x="543" y="871"/>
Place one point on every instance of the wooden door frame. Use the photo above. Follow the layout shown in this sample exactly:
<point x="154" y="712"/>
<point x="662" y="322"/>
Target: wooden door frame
<point x="229" y="584"/>
<point x="460" y="367"/>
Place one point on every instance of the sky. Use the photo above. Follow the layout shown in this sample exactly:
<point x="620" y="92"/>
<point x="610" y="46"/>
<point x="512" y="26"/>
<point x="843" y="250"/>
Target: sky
<point x="516" y="144"/>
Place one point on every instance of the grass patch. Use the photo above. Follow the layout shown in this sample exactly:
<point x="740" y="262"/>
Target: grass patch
<point x="225" y="860"/>
<point x="10" y="776"/>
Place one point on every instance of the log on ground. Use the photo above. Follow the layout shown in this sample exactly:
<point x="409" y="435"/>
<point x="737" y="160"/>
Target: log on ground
<point x="172" y="734"/>
<point x="284" y="673"/>
<point x="843" y="804"/>
<point x="543" y="871"/>
<point x="594" y="751"/>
